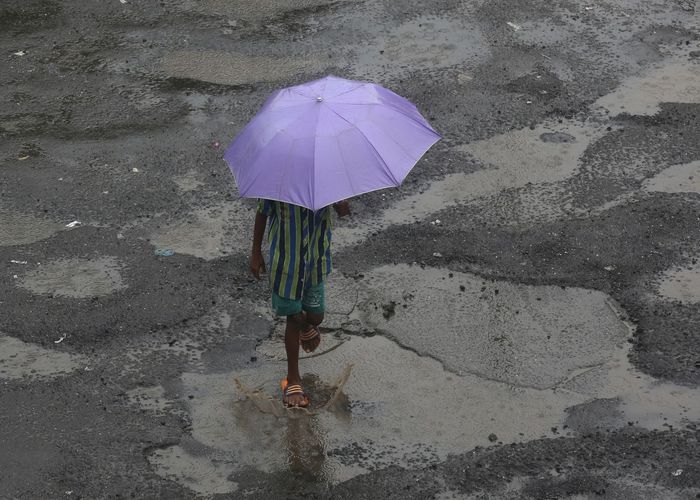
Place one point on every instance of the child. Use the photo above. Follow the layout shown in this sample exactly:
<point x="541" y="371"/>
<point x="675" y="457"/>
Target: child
<point x="300" y="260"/>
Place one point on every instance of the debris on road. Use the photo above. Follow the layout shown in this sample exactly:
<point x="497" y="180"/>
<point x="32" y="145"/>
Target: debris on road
<point x="164" y="252"/>
<point x="22" y="158"/>
<point x="677" y="472"/>
<point x="609" y="268"/>
<point x="19" y="53"/>
<point x="493" y="438"/>
<point x="75" y="223"/>
<point x="63" y="337"/>
<point x="135" y="170"/>
<point x="515" y="27"/>
<point x="13" y="261"/>
<point x="437" y="254"/>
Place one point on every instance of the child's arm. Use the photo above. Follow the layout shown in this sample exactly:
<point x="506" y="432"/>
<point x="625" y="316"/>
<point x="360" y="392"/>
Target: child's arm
<point x="257" y="263"/>
<point x="342" y="208"/>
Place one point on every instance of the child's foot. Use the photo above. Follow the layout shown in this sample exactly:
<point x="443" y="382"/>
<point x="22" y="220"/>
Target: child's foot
<point x="310" y="340"/>
<point x="293" y="395"/>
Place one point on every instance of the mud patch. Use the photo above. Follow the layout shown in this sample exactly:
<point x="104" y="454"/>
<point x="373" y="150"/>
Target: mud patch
<point x="75" y="278"/>
<point x="225" y="68"/>
<point x="20" y="359"/>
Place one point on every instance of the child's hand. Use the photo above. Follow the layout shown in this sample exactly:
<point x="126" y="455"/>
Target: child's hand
<point x="342" y="208"/>
<point x="257" y="264"/>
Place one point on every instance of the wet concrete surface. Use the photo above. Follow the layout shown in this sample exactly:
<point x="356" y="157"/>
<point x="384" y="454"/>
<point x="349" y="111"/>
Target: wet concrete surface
<point x="521" y="316"/>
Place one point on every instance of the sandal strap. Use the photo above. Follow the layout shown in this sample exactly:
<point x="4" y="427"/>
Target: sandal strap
<point x="311" y="334"/>
<point x="294" y="389"/>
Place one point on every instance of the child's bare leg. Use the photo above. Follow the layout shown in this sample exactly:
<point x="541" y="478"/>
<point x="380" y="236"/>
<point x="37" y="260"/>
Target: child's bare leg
<point x="295" y="323"/>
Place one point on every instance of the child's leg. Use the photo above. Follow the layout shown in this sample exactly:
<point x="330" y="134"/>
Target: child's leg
<point x="295" y="324"/>
<point x="313" y="303"/>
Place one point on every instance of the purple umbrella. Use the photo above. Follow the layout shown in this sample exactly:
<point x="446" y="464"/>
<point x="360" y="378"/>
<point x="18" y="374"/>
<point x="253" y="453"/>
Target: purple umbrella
<point x="328" y="140"/>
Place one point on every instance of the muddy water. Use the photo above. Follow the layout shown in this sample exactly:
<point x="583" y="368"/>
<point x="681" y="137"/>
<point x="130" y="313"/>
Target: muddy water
<point x="207" y="233"/>
<point x="20" y="359"/>
<point x="75" y="278"/>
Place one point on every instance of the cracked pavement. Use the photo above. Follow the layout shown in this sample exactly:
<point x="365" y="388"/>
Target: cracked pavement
<point x="520" y="318"/>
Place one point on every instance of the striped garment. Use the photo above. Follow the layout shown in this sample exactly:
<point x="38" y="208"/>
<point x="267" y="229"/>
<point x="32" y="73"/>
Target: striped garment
<point x="300" y="247"/>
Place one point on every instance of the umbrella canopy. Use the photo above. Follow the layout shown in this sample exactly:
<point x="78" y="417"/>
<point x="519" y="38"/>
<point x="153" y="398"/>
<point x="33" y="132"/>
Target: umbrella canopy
<point x="328" y="140"/>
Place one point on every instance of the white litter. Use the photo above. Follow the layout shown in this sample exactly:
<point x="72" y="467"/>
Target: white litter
<point x="18" y="261"/>
<point x="609" y="268"/>
<point x="63" y="337"/>
<point x="436" y="222"/>
<point x="135" y="170"/>
<point x="677" y="472"/>
<point x="75" y="223"/>
<point x="516" y="27"/>
<point x="19" y="53"/>
<point x="437" y="254"/>
<point x="122" y="1"/>
<point x="588" y="8"/>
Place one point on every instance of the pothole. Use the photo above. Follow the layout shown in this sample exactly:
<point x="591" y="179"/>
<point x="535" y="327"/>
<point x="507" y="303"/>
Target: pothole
<point x="75" y="278"/>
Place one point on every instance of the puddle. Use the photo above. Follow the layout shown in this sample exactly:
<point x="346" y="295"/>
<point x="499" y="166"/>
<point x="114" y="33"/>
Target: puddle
<point x="428" y="42"/>
<point x="498" y="330"/>
<point x="20" y="229"/>
<point x="75" y="278"/>
<point x="545" y="155"/>
<point x="681" y="284"/>
<point x="387" y="416"/>
<point x="510" y="363"/>
<point x="682" y="178"/>
<point x="676" y="81"/>
<point x="227" y="68"/>
<point x="19" y="359"/>
<point x="208" y="233"/>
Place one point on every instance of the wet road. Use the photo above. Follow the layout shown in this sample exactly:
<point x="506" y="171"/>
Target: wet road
<point x="521" y="319"/>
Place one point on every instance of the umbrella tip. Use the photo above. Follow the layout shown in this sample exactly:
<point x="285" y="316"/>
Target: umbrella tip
<point x="319" y="99"/>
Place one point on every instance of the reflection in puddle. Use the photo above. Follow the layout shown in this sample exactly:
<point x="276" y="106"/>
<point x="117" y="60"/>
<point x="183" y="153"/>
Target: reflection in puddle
<point x="75" y="278"/>
<point x="19" y="359"/>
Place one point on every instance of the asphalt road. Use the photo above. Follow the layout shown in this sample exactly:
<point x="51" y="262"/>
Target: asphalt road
<point x="520" y="320"/>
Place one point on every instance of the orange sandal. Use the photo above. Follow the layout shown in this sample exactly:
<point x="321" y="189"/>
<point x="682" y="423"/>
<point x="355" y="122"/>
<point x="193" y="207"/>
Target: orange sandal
<point x="290" y="390"/>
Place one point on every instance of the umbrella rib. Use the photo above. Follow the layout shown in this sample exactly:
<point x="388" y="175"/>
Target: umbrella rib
<point x="391" y="174"/>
